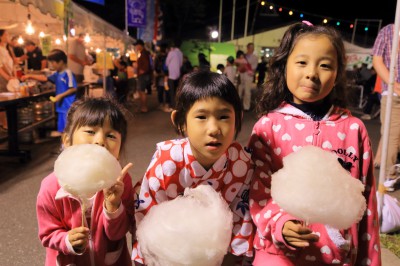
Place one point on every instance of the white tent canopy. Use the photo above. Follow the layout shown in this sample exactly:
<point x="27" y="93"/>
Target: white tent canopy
<point x="272" y="38"/>
<point x="47" y="16"/>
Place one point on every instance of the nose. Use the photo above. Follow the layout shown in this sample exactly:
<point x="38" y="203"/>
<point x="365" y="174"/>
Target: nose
<point x="213" y="128"/>
<point x="312" y="73"/>
<point x="99" y="139"/>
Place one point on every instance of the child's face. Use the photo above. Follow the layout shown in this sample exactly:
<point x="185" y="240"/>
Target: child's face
<point x="311" y="69"/>
<point x="103" y="135"/>
<point x="210" y="127"/>
<point x="57" y="66"/>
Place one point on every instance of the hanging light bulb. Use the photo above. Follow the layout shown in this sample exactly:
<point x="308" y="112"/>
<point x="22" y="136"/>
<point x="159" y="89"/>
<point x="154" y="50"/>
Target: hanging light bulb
<point x="72" y="31"/>
<point x="64" y="38"/>
<point x="29" y="28"/>
<point x="58" y="41"/>
<point x="87" y="38"/>
<point x="20" y="40"/>
<point x="41" y="34"/>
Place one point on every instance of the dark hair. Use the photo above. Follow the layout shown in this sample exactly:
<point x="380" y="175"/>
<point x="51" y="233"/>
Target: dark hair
<point x="29" y="42"/>
<point x="2" y="31"/>
<point x="239" y="53"/>
<point x="201" y="85"/>
<point x="57" y="55"/>
<point x="275" y="89"/>
<point x="220" y="66"/>
<point x="93" y="112"/>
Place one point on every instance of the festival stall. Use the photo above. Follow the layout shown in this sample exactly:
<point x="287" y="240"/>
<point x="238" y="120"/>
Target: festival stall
<point x="28" y="107"/>
<point x="47" y="16"/>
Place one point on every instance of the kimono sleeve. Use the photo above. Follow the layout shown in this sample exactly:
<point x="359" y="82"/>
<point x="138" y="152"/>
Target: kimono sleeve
<point x="147" y="197"/>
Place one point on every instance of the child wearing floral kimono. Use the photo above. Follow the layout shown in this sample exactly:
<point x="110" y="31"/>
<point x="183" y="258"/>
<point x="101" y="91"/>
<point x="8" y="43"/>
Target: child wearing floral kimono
<point x="208" y="115"/>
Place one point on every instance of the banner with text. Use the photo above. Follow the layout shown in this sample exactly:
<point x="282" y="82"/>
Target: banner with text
<point x="136" y="13"/>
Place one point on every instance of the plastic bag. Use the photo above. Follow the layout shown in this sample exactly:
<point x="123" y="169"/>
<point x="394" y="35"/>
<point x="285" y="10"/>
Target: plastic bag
<point x="13" y="85"/>
<point x="390" y="216"/>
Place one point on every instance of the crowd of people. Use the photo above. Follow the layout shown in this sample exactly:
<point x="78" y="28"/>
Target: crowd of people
<point x="163" y="67"/>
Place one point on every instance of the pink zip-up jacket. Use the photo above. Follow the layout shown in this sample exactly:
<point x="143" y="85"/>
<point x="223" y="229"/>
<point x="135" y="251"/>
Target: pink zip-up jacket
<point x="284" y="131"/>
<point x="58" y="212"/>
<point x="174" y="168"/>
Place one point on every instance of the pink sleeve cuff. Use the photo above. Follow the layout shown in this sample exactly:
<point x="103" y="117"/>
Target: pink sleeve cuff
<point x="113" y="215"/>
<point x="70" y="248"/>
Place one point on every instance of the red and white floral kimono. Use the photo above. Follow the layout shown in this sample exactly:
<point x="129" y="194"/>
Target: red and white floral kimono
<point x="174" y="168"/>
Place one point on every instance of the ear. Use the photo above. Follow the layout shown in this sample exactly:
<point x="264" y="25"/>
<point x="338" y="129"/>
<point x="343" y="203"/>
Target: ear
<point x="65" y="140"/>
<point x="173" y="115"/>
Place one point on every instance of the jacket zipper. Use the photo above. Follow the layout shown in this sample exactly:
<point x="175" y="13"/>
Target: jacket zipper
<point x="316" y="132"/>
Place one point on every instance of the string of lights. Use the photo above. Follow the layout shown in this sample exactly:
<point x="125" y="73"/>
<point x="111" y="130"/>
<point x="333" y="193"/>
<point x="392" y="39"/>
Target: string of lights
<point x="272" y="8"/>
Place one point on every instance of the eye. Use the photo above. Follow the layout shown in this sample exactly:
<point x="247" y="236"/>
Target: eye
<point x="225" y="117"/>
<point x="89" y="131"/>
<point x="112" y="136"/>
<point x="327" y="66"/>
<point x="201" y="117"/>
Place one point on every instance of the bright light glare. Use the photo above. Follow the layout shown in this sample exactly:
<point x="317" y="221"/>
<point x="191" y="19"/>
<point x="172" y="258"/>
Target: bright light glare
<point x="214" y="34"/>
<point x="87" y="38"/>
<point x="20" y="40"/>
<point x="29" y="28"/>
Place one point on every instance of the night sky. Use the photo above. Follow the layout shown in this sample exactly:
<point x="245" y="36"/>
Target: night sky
<point x="313" y="10"/>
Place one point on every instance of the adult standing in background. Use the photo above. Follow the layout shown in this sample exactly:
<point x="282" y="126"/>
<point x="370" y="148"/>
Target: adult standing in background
<point x="17" y="50"/>
<point x="6" y="61"/>
<point x="6" y="70"/>
<point x="36" y="60"/>
<point x="248" y="79"/>
<point x="143" y="73"/>
<point x="77" y="57"/>
<point x="381" y="61"/>
<point x="174" y="63"/>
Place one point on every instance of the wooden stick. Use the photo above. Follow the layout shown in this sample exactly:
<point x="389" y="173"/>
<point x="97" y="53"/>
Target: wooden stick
<point x="83" y="212"/>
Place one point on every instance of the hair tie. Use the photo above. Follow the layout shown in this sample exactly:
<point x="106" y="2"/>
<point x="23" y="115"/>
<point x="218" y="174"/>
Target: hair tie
<point x="308" y="23"/>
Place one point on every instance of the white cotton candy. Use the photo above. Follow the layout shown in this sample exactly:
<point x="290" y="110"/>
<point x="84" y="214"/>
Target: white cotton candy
<point x="314" y="187"/>
<point x="194" y="230"/>
<point x="85" y="169"/>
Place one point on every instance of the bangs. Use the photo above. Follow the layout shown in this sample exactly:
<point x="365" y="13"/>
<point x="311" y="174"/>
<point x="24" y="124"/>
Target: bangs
<point x="96" y="113"/>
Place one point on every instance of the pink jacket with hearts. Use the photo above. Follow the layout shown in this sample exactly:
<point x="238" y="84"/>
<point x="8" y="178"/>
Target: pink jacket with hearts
<point x="58" y="212"/>
<point x="284" y="131"/>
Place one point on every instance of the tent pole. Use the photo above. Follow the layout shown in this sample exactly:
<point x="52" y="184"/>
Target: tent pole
<point x="233" y="20"/>
<point x="247" y="17"/>
<point x="386" y="125"/>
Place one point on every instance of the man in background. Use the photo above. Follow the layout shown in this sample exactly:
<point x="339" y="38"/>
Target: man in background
<point x="77" y="58"/>
<point x="34" y="55"/>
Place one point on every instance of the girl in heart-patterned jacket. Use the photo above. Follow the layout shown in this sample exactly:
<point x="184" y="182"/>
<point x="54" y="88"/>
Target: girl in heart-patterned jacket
<point x="208" y="113"/>
<point x="303" y="103"/>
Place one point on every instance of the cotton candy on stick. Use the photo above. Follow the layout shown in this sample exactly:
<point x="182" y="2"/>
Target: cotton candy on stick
<point x="194" y="229"/>
<point x="314" y="187"/>
<point x="85" y="169"/>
